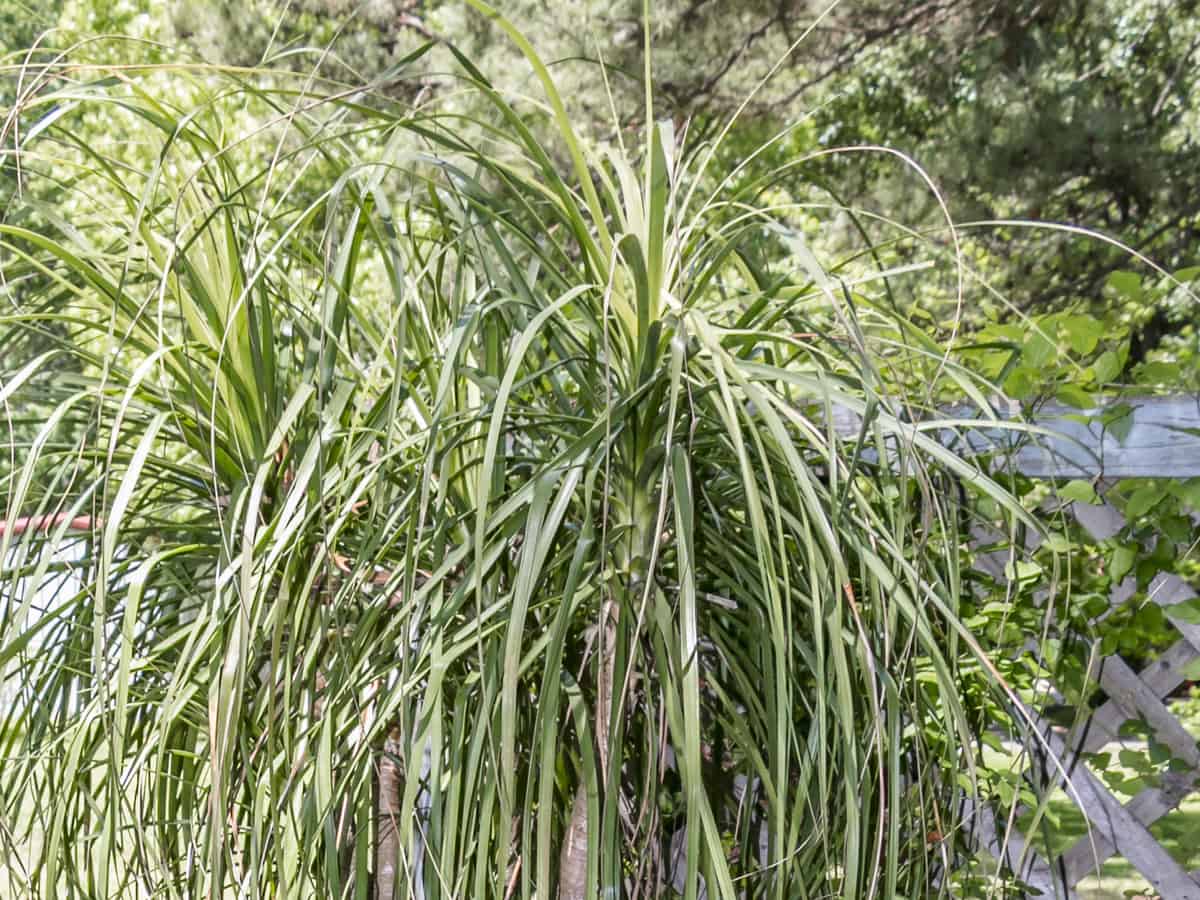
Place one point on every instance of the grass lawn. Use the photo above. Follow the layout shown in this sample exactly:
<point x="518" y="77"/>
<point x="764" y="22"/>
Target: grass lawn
<point x="1179" y="832"/>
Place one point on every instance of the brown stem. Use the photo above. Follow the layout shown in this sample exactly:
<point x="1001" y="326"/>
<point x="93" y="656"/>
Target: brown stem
<point x="609" y="611"/>
<point x="514" y="874"/>
<point x="45" y="523"/>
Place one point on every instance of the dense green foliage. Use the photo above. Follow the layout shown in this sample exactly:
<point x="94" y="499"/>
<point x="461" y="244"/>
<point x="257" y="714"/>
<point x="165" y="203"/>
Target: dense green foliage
<point x="439" y="416"/>
<point x="384" y="423"/>
<point x="1080" y="111"/>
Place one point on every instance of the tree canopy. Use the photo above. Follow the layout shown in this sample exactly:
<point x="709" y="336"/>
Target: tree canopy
<point x="1081" y="112"/>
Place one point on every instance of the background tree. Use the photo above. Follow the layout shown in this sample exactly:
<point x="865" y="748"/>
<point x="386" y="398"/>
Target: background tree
<point x="1067" y="111"/>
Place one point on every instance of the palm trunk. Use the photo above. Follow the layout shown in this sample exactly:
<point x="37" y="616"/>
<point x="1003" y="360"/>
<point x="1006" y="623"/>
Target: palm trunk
<point x="387" y="847"/>
<point x="572" y="879"/>
<point x="572" y="866"/>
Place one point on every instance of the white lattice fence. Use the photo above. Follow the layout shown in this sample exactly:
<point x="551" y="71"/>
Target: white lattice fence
<point x="1158" y="438"/>
<point x="1115" y="828"/>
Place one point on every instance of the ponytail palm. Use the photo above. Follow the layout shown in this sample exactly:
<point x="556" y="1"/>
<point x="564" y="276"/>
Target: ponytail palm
<point x="462" y="515"/>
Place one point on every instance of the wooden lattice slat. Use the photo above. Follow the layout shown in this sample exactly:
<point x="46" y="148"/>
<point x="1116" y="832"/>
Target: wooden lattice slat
<point x="1116" y="828"/>
<point x="1117" y="825"/>
<point x="1159" y="438"/>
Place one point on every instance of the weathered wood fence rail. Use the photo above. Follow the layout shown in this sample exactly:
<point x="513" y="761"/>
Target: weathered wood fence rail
<point x="1149" y="437"/>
